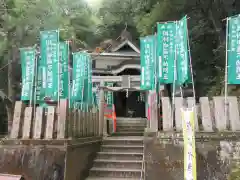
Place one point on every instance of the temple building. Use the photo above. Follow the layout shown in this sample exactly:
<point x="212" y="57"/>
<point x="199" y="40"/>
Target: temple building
<point x="118" y="61"/>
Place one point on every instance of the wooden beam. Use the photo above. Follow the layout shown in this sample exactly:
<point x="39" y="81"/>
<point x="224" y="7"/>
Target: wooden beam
<point x="114" y="78"/>
<point x="135" y="88"/>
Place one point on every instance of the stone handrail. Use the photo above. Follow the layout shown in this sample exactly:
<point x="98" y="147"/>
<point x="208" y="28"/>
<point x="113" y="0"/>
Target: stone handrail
<point x="209" y="114"/>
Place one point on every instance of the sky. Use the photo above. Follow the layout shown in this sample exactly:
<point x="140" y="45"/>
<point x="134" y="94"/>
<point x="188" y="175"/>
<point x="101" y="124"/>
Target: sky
<point x="93" y="3"/>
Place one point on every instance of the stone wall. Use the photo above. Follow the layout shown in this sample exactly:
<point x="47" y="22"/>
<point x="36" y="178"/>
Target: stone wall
<point x="80" y="158"/>
<point x="42" y="160"/>
<point x="165" y="159"/>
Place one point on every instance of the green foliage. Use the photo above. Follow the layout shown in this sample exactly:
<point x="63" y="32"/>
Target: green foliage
<point x="21" y="21"/>
<point x="206" y="31"/>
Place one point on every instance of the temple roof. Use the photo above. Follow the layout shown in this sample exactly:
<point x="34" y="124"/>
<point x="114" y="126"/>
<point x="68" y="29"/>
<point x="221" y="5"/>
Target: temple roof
<point x="124" y="49"/>
<point x="126" y="43"/>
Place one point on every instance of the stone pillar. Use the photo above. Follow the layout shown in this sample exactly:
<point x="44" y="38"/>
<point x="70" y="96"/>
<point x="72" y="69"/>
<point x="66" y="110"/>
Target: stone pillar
<point x="101" y="110"/>
<point x="153" y="111"/>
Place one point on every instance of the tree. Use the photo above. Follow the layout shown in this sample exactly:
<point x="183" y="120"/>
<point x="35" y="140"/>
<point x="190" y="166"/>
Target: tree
<point x="207" y="31"/>
<point x="21" y="23"/>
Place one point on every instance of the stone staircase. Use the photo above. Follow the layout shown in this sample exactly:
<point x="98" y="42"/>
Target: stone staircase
<point x="121" y="155"/>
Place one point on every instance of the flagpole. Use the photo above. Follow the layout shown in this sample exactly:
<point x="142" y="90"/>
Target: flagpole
<point x="32" y="84"/>
<point x="156" y="79"/>
<point x="226" y="73"/>
<point x="69" y="82"/>
<point x="35" y="85"/>
<point x="58" y="101"/>
<point x="174" y="78"/>
<point x="191" y="68"/>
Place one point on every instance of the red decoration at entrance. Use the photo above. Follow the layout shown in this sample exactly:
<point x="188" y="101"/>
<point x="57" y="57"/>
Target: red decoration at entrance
<point x="110" y="113"/>
<point x="114" y="119"/>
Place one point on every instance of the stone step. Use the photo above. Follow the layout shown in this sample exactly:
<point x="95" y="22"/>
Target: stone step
<point x="123" y="140"/>
<point x="122" y="148"/>
<point x="120" y="155"/>
<point x="131" y="119"/>
<point x="116" y="172"/>
<point x="104" y="178"/>
<point x="116" y="169"/>
<point x="129" y="129"/>
<point x="128" y="133"/>
<point x="111" y="163"/>
<point x="131" y="124"/>
<point x="120" y="161"/>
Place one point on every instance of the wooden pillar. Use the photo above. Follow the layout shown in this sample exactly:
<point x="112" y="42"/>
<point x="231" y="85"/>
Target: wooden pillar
<point x="86" y="122"/>
<point x="81" y="123"/>
<point x="90" y="124"/>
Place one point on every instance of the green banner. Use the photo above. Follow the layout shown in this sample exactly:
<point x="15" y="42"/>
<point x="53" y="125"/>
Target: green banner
<point x="41" y="81"/>
<point x="89" y="78"/>
<point x="166" y="33"/>
<point x="85" y="80"/>
<point x="28" y="72"/>
<point x="108" y="96"/>
<point x="49" y="41"/>
<point x="148" y="59"/>
<point x="233" y="50"/>
<point x="77" y="74"/>
<point x="183" y="68"/>
<point x="64" y="80"/>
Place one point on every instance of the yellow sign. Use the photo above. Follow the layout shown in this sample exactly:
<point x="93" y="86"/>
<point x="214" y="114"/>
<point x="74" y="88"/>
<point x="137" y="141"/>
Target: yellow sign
<point x="190" y="170"/>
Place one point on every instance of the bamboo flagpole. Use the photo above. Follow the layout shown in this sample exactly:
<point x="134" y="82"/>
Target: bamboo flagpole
<point x="35" y="85"/>
<point x="174" y="75"/>
<point x="69" y="75"/>
<point x="190" y="64"/>
<point x="226" y="73"/>
<point x="32" y="85"/>
<point x="59" y="74"/>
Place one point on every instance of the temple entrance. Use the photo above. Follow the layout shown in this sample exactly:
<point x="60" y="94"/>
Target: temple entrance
<point x="122" y="58"/>
<point x="131" y="104"/>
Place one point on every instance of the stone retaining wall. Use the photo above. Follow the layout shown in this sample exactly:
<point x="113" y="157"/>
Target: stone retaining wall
<point x="165" y="159"/>
<point x="42" y="160"/>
